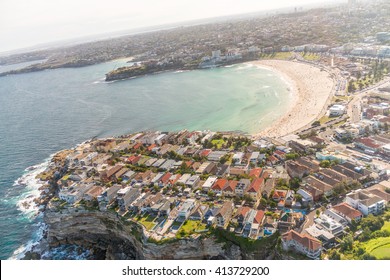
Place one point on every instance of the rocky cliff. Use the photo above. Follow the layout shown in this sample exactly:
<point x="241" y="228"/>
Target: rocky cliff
<point x="111" y="238"/>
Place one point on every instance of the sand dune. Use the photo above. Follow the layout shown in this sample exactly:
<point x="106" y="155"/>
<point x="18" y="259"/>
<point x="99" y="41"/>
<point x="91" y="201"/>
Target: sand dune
<point x="311" y="88"/>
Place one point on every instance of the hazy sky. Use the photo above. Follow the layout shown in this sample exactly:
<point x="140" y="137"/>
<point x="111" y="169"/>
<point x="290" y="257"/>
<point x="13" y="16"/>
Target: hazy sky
<point x="25" y="23"/>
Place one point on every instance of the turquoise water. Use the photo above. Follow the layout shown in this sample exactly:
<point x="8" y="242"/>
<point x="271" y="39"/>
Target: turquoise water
<point x="43" y="112"/>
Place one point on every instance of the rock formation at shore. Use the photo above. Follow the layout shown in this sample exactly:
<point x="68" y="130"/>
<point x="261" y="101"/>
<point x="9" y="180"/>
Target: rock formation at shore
<point x="110" y="238"/>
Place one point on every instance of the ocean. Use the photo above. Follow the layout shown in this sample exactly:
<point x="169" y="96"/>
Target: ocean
<point x="44" y="112"/>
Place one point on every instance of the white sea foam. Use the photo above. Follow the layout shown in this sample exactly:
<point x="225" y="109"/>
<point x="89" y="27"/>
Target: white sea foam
<point x="26" y="202"/>
<point x="38" y="235"/>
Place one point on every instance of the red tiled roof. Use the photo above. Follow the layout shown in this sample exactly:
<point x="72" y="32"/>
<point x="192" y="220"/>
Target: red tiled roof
<point x="177" y="177"/>
<point x="307" y="241"/>
<point x="219" y="184"/>
<point x="255" y="172"/>
<point x="259" y="217"/>
<point x="232" y="186"/>
<point x="164" y="179"/>
<point x="137" y="146"/>
<point x="272" y="159"/>
<point x="205" y="153"/>
<point x="256" y="185"/>
<point x="151" y="147"/>
<point x="347" y="210"/>
<point x="243" y="210"/>
<point x="281" y="194"/>
<point x="368" y="142"/>
<point x="279" y="153"/>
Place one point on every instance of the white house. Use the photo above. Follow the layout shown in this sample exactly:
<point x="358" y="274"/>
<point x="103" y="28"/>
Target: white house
<point x="209" y="183"/>
<point x="336" y="110"/>
<point x="365" y="202"/>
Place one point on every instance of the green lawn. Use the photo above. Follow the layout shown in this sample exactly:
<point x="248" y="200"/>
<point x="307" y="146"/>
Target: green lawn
<point x="325" y="119"/>
<point x="386" y="226"/>
<point x="190" y="227"/>
<point x="379" y="247"/>
<point x="277" y="55"/>
<point x="218" y="142"/>
<point x="311" y="56"/>
<point x="147" y="221"/>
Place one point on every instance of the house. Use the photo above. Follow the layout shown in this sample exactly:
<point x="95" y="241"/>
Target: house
<point x="254" y="158"/>
<point x="241" y="214"/>
<point x="279" y="195"/>
<point x="128" y="175"/>
<point x="224" y="214"/>
<point x="150" y="202"/>
<point x="119" y="175"/>
<point x="314" y="192"/>
<point x="222" y="170"/>
<point x="326" y="189"/>
<point x="193" y="181"/>
<point x="165" y="209"/>
<point x="216" y="155"/>
<point x="237" y="158"/>
<point x="206" y="168"/>
<point x="307" y="198"/>
<point x="105" y="145"/>
<point x="199" y="212"/>
<point x="130" y="196"/>
<point x="183" y="179"/>
<point x="254" y="189"/>
<point x="241" y="187"/>
<point x="347" y="212"/>
<point x="209" y="217"/>
<point x="108" y="196"/>
<point x="313" y="165"/>
<point x="73" y="193"/>
<point x="256" y="173"/>
<point x="185" y="209"/>
<point x="365" y="202"/>
<point x="230" y="189"/>
<point x="302" y="145"/>
<point x="272" y="160"/>
<point x="287" y="221"/>
<point x="331" y="225"/>
<point x="296" y="170"/>
<point x="268" y="187"/>
<point x="92" y="193"/>
<point x="302" y="243"/>
<point x="209" y="183"/>
<point x="234" y="171"/>
<point x="220" y="185"/>
<point x="107" y="175"/>
<point x="320" y="233"/>
<point x="164" y="180"/>
<point x="290" y="197"/>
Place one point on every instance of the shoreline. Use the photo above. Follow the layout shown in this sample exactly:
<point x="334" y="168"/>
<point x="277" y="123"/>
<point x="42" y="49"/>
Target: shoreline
<point x="311" y="88"/>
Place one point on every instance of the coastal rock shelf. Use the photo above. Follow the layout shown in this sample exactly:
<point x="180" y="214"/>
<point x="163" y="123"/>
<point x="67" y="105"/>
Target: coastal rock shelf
<point x="110" y="238"/>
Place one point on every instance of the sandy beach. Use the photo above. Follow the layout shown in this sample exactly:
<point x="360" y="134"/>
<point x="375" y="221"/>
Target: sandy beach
<point x="311" y="88"/>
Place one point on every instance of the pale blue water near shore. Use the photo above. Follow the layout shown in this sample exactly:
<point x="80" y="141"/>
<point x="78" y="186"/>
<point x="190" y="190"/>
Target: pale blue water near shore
<point x="44" y="112"/>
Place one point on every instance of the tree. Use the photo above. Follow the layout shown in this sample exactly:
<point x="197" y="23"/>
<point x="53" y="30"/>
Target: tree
<point x="334" y="255"/>
<point x="263" y="202"/>
<point x="318" y="212"/>
<point x="372" y="223"/>
<point x="325" y="164"/>
<point x="295" y="183"/>
<point x="248" y="198"/>
<point x="347" y="243"/>
<point x="291" y="156"/>
<point x="316" y="123"/>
